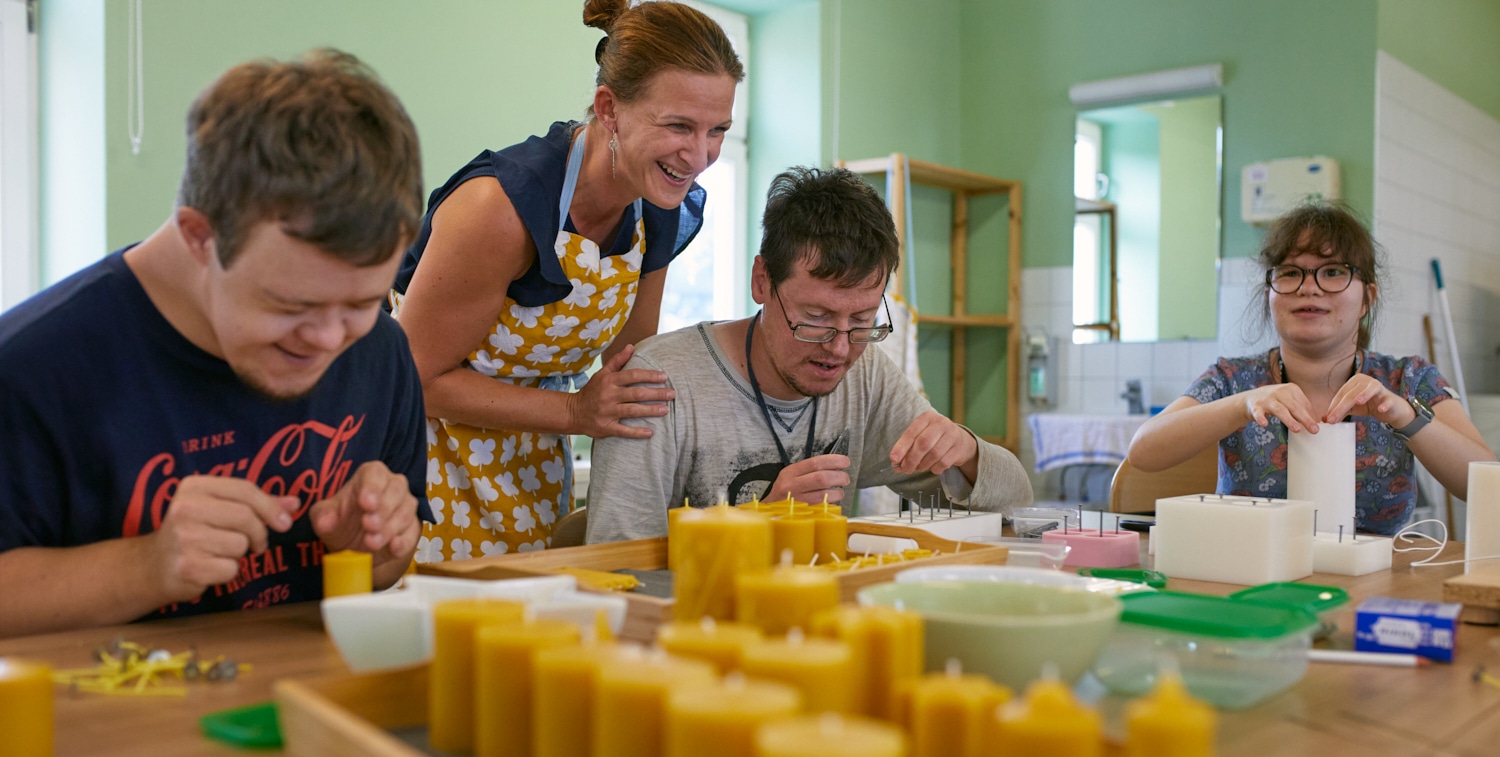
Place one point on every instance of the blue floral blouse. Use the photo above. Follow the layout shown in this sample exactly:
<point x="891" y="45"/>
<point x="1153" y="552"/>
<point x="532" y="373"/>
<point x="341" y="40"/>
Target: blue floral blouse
<point x="1252" y="462"/>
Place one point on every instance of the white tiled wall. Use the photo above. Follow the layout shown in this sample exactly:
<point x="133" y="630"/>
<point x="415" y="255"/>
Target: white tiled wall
<point x="1437" y="195"/>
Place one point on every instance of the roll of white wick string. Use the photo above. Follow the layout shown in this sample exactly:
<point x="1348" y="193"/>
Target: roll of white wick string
<point x="1410" y="535"/>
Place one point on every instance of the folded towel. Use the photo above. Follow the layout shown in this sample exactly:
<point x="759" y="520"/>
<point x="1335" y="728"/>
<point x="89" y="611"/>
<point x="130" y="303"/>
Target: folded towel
<point x="1062" y="440"/>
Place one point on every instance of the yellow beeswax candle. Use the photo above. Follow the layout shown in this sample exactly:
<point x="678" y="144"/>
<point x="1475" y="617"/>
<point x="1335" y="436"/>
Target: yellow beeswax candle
<point x="951" y="713"/>
<point x="347" y="572"/>
<point x="888" y="651"/>
<point x="503" y="682"/>
<point x="673" y="516"/>
<point x="630" y="702"/>
<point x="822" y="669"/>
<point x="717" y="547"/>
<point x="1169" y="722"/>
<point x="720" y="718"/>
<point x="830" y="537"/>
<point x="562" y="705"/>
<point x="795" y="533"/>
<point x="25" y="708"/>
<point x="450" y="697"/>
<point x="721" y="644"/>
<point x="785" y="598"/>
<point x="829" y="735"/>
<point x="1048" y="721"/>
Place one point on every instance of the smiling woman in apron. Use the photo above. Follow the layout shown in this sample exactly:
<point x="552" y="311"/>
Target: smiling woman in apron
<point x="538" y="258"/>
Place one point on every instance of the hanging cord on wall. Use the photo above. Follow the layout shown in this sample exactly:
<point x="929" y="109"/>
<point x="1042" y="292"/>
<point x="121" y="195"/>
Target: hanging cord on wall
<point x="135" y="100"/>
<point x="1409" y="535"/>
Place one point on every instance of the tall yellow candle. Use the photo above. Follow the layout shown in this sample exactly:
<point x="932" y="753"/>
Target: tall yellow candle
<point x="25" y="708"/>
<point x="720" y="718"/>
<point x="795" y="533"/>
<point x="673" y="516"/>
<point x="822" y="669"/>
<point x="830" y="537"/>
<point x="888" y="648"/>
<point x="503" y="682"/>
<point x="630" y="702"/>
<point x="562" y="707"/>
<point x="1048" y="721"/>
<point x="785" y="598"/>
<point x="951" y="713"/>
<point x="720" y="644"/>
<point x="829" y="735"/>
<point x="450" y="698"/>
<point x="716" y="548"/>
<point x="347" y="572"/>
<point x="1169" y="722"/>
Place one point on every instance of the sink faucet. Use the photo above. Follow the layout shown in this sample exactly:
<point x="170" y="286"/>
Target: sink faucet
<point x="1132" y="394"/>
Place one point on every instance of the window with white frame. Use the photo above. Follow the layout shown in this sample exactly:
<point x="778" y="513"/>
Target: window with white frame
<point x="706" y="282"/>
<point x="1088" y="270"/>
<point x="18" y="125"/>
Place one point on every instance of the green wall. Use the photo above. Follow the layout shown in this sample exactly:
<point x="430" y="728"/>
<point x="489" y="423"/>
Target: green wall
<point x="471" y="74"/>
<point x="1189" y="218"/>
<point x="1456" y="43"/>
<point x="1299" y="80"/>
<point x="786" y="97"/>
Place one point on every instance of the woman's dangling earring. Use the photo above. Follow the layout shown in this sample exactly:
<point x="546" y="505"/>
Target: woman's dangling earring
<point x="614" y="148"/>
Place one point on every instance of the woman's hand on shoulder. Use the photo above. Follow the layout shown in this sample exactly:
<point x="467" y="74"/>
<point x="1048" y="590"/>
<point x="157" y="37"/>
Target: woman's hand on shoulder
<point x="1364" y="395"/>
<point x="1283" y="401"/>
<point x="613" y="394"/>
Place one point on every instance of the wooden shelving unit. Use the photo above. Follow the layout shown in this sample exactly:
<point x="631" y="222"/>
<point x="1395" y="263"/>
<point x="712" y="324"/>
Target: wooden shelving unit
<point x="963" y="185"/>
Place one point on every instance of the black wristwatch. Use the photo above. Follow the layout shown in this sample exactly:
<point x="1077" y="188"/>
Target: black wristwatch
<point x="1423" y="417"/>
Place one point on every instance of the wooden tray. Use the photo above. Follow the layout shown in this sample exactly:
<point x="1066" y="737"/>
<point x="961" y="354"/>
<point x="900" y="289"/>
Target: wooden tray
<point x="645" y="613"/>
<point x="353" y="714"/>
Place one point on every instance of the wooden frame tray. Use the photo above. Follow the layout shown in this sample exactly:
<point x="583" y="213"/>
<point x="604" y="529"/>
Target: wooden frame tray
<point x="645" y="613"/>
<point x="353" y="714"/>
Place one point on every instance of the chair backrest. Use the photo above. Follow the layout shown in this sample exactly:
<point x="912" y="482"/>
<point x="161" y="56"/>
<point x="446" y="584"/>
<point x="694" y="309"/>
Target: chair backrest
<point x="1135" y="491"/>
<point x="569" y="530"/>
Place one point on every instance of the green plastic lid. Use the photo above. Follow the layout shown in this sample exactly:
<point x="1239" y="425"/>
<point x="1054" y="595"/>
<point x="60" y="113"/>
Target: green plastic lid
<point x="253" y="727"/>
<point x="1218" y="617"/>
<point x="1312" y="596"/>
<point x="1153" y="578"/>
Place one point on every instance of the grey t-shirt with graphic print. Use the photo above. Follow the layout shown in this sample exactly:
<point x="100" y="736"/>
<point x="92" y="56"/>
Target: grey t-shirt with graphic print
<point x="713" y="441"/>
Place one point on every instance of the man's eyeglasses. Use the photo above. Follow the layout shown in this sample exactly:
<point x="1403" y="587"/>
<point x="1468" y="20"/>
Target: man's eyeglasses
<point x="806" y="332"/>
<point x="1331" y="277"/>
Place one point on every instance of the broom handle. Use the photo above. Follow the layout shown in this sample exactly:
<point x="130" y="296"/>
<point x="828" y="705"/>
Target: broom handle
<point x="1458" y="371"/>
<point x="1432" y="355"/>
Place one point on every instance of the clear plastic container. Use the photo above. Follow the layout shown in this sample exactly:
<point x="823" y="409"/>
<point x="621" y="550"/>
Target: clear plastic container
<point x="1232" y="654"/>
<point x="1032" y="522"/>
<point x="1029" y="553"/>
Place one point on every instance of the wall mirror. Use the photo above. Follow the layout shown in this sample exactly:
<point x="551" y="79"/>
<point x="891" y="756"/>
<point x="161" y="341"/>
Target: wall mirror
<point x="1146" y="237"/>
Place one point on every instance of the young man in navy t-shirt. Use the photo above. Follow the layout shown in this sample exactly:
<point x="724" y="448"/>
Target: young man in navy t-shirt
<point x="188" y="425"/>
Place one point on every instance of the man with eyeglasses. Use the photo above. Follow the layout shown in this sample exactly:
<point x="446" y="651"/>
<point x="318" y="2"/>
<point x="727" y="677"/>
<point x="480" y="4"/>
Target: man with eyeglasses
<point x="790" y="401"/>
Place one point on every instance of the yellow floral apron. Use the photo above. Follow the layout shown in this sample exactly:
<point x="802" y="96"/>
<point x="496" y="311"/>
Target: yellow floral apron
<point x="495" y="491"/>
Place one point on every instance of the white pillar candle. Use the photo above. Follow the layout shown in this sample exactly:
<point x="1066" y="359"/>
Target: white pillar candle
<point x="1320" y="469"/>
<point x="1236" y="540"/>
<point x="1482" y="516"/>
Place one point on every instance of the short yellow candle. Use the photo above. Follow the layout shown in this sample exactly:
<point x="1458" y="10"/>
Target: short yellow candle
<point x="720" y="718"/>
<point x="1169" y="722"/>
<point x="450" y="698"/>
<point x="720" y="644"/>
<point x="563" y="683"/>
<point x="795" y="533"/>
<point x="716" y="548"/>
<point x="785" y="598"/>
<point x="503" y="682"/>
<point x="673" y="516"/>
<point x="830" y="537"/>
<point x="1048" y="721"/>
<point x="951" y="713"/>
<point x="346" y="572"/>
<point x="630" y="702"/>
<point x="888" y="647"/>
<point x="829" y="735"/>
<point x="25" y="708"/>
<point x="822" y="669"/>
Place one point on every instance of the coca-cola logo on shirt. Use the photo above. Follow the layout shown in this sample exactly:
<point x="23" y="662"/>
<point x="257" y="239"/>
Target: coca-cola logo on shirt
<point x="279" y="468"/>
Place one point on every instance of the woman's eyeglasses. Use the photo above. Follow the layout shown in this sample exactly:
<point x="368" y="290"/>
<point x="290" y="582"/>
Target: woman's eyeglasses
<point x="1331" y="277"/>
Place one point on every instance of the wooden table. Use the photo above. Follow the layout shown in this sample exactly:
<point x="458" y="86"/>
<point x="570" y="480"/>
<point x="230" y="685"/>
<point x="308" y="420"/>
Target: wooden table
<point x="1436" y="711"/>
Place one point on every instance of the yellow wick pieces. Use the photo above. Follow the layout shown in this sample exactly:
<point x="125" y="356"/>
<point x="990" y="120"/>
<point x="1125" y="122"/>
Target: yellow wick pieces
<point x="126" y="668"/>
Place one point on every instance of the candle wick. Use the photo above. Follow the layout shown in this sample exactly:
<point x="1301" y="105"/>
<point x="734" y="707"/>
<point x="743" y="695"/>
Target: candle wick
<point x="794" y="635"/>
<point x="954" y="667"/>
<point x="735" y="680"/>
<point x="1341" y="533"/>
<point x="786" y="557"/>
<point x="815" y="559"/>
<point x="831" y="724"/>
<point x="707" y="624"/>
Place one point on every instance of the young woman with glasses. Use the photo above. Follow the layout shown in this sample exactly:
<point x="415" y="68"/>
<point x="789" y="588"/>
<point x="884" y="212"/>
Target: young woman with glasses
<point x="1320" y="293"/>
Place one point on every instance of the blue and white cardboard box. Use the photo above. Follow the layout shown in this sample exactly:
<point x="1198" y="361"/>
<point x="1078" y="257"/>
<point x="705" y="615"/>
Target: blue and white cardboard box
<point x="1384" y="624"/>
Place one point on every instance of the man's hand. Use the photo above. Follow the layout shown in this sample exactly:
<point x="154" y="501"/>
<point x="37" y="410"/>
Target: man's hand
<point x="375" y="512"/>
<point x="932" y="443"/>
<point x="212" y="523"/>
<point x="813" y="479"/>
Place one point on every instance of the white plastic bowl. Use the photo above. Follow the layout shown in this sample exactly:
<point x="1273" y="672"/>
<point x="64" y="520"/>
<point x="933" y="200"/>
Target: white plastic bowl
<point x="1011" y="574"/>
